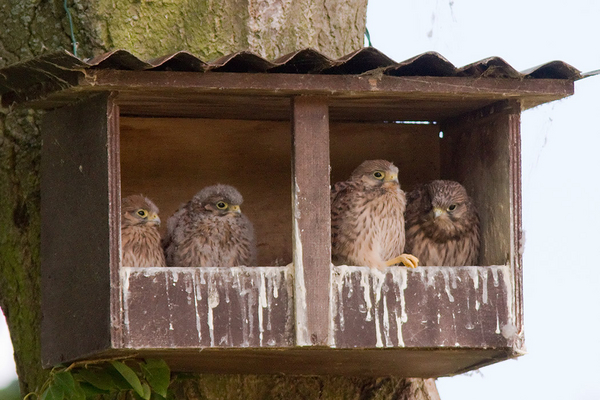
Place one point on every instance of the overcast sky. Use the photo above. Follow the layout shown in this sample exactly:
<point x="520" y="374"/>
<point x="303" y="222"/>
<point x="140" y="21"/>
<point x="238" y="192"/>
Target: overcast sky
<point x="561" y="164"/>
<point x="561" y="141"/>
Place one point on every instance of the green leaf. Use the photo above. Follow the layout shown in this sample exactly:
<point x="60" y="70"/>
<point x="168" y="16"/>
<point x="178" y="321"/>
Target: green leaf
<point x="158" y="375"/>
<point x="53" y="393"/>
<point x="90" y="390"/>
<point x="97" y="377"/>
<point x="130" y="376"/>
<point x="147" y="391"/>
<point x="156" y="396"/>
<point x="64" y="381"/>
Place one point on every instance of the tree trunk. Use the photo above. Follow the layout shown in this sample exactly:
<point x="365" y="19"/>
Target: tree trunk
<point x="209" y="29"/>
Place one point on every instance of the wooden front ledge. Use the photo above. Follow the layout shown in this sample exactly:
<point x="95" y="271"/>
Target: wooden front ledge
<point x="464" y="308"/>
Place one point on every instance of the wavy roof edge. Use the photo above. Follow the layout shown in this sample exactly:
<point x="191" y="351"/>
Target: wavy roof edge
<point x="305" y="61"/>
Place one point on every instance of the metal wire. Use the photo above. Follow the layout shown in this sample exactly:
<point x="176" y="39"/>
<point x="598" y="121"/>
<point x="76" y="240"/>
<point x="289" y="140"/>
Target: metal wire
<point x="71" y="26"/>
<point x="368" y="36"/>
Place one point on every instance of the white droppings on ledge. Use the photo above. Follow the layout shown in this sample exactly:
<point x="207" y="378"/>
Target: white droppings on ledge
<point x="445" y="273"/>
<point x="302" y="336"/>
<point x="484" y="283"/>
<point x="495" y="277"/>
<point x="262" y="304"/>
<point x="210" y="294"/>
<point x="382" y="300"/>
<point x="197" y="298"/>
<point x="378" y="279"/>
<point x="212" y="302"/>
<point x="366" y="288"/>
<point x="509" y="331"/>
<point x="375" y="286"/>
<point x="125" y="274"/>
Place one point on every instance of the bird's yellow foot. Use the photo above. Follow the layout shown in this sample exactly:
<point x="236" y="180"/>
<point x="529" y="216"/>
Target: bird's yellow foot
<point x="407" y="259"/>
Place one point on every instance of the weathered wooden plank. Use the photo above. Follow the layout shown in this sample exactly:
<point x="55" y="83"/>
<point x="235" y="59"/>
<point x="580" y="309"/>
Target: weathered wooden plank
<point x="312" y="216"/>
<point x="332" y="85"/>
<point x="429" y="307"/>
<point x="516" y="207"/>
<point x="79" y="216"/>
<point x="400" y="362"/>
<point x="178" y="89"/>
<point x="175" y="308"/>
<point x="481" y="149"/>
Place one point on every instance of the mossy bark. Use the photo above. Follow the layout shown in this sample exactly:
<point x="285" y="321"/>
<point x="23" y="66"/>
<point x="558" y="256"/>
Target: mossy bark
<point x="151" y="28"/>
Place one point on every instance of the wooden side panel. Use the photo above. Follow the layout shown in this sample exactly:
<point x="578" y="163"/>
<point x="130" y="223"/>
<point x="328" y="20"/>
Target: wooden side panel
<point x="78" y="250"/>
<point x="476" y="152"/>
<point x="312" y="218"/>
<point x="175" y="308"/>
<point x="514" y="126"/>
<point x="482" y="149"/>
<point x="429" y="307"/>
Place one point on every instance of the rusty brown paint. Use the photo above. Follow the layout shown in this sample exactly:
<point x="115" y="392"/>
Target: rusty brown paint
<point x="312" y="215"/>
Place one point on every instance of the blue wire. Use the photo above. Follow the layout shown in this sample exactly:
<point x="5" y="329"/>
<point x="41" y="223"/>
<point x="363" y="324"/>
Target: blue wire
<point x="71" y="26"/>
<point x="368" y="36"/>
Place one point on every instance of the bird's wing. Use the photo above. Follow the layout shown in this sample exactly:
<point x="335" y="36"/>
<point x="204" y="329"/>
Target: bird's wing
<point x="172" y="223"/>
<point x="415" y="200"/>
<point x="338" y="190"/>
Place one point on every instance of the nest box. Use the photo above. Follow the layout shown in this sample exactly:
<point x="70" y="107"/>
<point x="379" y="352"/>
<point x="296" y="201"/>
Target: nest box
<point x="281" y="132"/>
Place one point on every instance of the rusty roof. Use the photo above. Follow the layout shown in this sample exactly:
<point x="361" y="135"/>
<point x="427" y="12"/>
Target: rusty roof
<point x="306" y="61"/>
<point x="425" y="86"/>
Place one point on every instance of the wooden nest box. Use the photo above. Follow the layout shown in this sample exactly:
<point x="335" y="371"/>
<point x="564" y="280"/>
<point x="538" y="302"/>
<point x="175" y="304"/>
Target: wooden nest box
<point x="280" y="132"/>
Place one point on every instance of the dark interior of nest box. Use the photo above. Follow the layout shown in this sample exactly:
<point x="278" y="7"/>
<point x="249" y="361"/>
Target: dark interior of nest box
<point x="171" y="159"/>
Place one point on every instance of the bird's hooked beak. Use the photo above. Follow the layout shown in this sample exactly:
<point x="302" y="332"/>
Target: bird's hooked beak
<point x="391" y="178"/>
<point x="236" y="209"/>
<point x="437" y="212"/>
<point x="154" y="219"/>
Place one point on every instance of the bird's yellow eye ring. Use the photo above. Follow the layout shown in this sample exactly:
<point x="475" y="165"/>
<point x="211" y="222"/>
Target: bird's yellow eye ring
<point x="221" y="205"/>
<point x="142" y="213"/>
<point x="378" y="175"/>
<point x="452" y="207"/>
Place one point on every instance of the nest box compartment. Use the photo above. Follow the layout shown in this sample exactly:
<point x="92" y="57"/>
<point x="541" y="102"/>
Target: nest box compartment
<point x="281" y="140"/>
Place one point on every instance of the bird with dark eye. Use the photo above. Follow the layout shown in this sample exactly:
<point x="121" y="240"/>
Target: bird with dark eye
<point x="442" y="225"/>
<point x="367" y="218"/>
<point x="210" y="231"/>
<point x="140" y="239"/>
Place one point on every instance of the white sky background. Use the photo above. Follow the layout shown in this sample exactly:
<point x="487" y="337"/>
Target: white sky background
<point x="561" y="164"/>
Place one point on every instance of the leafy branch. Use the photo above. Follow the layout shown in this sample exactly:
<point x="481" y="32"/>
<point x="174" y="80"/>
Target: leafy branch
<point x="145" y="380"/>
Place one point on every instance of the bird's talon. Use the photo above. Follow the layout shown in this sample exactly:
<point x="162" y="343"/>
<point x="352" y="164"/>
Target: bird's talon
<point x="408" y="260"/>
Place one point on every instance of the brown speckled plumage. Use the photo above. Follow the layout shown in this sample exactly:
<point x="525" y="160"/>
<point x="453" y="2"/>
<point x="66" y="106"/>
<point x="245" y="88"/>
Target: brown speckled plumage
<point x="210" y="231"/>
<point x="140" y="240"/>
<point x="367" y="216"/>
<point x="452" y="237"/>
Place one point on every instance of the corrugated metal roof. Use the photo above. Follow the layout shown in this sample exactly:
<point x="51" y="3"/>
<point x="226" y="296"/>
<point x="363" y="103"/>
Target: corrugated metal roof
<point x="57" y="69"/>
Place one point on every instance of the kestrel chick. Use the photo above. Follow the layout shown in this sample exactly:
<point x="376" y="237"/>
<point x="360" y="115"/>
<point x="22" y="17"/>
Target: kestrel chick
<point x="140" y="240"/>
<point x="210" y="231"/>
<point x="442" y="225"/>
<point x="367" y="218"/>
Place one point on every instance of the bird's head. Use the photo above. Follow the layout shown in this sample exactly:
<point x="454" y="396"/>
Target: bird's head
<point x="451" y="207"/>
<point x="139" y="210"/>
<point x="222" y="200"/>
<point x="376" y="173"/>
